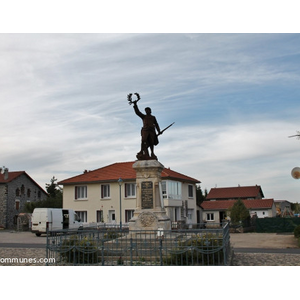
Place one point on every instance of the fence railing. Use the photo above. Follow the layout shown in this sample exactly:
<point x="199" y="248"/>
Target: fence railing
<point x="112" y="246"/>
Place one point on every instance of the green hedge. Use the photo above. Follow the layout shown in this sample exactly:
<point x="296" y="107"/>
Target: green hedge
<point x="276" y="225"/>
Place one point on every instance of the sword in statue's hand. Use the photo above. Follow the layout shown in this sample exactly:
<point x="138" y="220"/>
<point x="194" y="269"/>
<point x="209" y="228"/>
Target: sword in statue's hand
<point x="165" y="129"/>
<point x="296" y="135"/>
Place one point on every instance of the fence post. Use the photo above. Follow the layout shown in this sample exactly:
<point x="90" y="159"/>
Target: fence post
<point x="102" y="252"/>
<point x="47" y="248"/>
<point x="131" y="251"/>
<point x="160" y="251"/>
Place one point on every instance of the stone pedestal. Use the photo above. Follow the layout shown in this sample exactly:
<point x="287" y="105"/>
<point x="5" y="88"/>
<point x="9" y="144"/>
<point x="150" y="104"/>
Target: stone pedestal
<point x="149" y="213"/>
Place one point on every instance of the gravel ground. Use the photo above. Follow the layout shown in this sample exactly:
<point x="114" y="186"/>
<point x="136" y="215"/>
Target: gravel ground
<point x="22" y="257"/>
<point x="265" y="259"/>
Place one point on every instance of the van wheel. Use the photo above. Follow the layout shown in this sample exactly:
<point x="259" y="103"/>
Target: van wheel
<point x="38" y="234"/>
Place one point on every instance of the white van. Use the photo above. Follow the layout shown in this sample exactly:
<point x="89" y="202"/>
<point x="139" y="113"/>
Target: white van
<point x="44" y="219"/>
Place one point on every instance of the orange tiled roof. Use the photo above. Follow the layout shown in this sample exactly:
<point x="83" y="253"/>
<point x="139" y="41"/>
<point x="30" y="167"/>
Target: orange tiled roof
<point x="226" y="204"/>
<point x="122" y="170"/>
<point x="235" y="192"/>
<point x="11" y="176"/>
<point x="14" y="175"/>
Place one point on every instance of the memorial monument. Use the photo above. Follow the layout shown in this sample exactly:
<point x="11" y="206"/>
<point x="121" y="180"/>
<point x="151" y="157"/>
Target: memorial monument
<point x="149" y="213"/>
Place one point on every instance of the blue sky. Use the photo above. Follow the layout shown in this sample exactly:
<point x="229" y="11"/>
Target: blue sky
<point x="234" y="99"/>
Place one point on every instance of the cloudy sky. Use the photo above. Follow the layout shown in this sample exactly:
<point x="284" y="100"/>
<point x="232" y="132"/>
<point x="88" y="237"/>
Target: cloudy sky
<point x="234" y="99"/>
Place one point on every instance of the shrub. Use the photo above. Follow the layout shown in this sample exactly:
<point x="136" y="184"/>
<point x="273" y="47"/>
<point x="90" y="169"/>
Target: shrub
<point x="297" y="231"/>
<point x="203" y="249"/>
<point x="81" y="251"/>
<point x="112" y="234"/>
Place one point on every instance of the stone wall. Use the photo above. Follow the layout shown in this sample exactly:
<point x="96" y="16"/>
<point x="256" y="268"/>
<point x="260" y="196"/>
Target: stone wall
<point x="3" y="205"/>
<point x="19" y="191"/>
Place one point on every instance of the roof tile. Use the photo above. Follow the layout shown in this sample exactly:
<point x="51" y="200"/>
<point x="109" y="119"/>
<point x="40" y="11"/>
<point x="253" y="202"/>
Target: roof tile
<point x="122" y="170"/>
<point x="226" y="204"/>
<point x="13" y="175"/>
<point x="235" y="192"/>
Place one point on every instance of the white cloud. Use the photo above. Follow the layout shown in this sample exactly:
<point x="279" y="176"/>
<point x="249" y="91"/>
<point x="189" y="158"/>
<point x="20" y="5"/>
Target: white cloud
<point x="64" y="104"/>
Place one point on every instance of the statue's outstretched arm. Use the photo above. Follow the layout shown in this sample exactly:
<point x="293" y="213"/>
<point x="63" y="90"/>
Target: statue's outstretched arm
<point x="137" y="111"/>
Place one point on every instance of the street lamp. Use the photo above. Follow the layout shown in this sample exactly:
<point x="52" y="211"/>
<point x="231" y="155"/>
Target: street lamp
<point x="120" y="181"/>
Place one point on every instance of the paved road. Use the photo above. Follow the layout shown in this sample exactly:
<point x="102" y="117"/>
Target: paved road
<point x="16" y="239"/>
<point x="241" y="242"/>
<point x="265" y="249"/>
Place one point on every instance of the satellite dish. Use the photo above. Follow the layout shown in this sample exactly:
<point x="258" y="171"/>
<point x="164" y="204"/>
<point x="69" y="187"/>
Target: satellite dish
<point x="296" y="173"/>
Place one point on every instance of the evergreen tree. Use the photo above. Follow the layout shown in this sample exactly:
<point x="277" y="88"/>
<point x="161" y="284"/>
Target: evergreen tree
<point x="53" y="189"/>
<point x="200" y="197"/>
<point x="239" y="212"/>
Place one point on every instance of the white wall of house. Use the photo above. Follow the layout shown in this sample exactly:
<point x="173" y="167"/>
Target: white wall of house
<point x="211" y="216"/>
<point x="264" y="213"/>
<point x="93" y="202"/>
<point x="90" y="201"/>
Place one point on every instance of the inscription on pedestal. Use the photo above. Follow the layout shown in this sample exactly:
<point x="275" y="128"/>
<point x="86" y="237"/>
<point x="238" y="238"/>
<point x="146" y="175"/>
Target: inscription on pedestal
<point x="147" y="194"/>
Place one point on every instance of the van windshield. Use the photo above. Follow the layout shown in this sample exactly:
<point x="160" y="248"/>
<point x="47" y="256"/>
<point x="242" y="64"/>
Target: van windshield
<point x="76" y="218"/>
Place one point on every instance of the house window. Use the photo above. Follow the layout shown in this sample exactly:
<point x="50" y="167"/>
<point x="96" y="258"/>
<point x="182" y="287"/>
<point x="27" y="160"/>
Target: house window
<point x="99" y="215"/>
<point x="105" y="191"/>
<point x="130" y="190"/>
<point x="171" y="189"/>
<point x="17" y="203"/>
<point x="80" y="192"/>
<point x="28" y="193"/>
<point x="210" y="217"/>
<point x="17" y="192"/>
<point x="128" y="214"/>
<point x="82" y="215"/>
<point x="164" y="189"/>
<point x="191" y="191"/>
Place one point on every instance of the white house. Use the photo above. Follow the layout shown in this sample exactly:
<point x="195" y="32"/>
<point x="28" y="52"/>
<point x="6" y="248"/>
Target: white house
<point x="216" y="211"/>
<point x="96" y="195"/>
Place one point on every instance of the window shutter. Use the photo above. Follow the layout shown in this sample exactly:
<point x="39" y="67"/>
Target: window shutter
<point x="101" y="191"/>
<point x="75" y="192"/>
<point x="126" y="186"/>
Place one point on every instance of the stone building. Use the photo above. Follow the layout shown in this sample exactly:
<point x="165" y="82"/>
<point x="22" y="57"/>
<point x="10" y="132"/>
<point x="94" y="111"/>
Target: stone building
<point x="18" y="189"/>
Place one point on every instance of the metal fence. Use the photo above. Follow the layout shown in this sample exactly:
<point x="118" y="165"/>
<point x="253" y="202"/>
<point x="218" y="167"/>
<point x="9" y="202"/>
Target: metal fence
<point x="115" y="247"/>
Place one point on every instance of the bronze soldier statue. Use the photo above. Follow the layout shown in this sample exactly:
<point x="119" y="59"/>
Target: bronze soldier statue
<point x="149" y="136"/>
